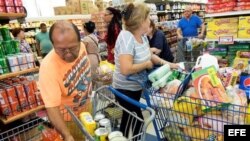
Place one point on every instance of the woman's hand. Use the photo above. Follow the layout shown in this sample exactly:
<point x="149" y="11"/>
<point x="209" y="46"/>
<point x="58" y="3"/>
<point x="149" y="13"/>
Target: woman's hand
<point x="149" y="64"/>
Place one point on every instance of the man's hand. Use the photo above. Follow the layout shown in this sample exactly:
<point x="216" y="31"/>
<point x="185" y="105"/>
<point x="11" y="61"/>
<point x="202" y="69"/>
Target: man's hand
<point x="200" y="36"/>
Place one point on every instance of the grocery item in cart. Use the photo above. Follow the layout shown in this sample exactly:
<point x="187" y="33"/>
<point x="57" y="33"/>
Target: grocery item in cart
<point x="198" y="134"/>
<point x="236" y="113"/>
<point x="213" y="122"/>
<point x="209" y="88"/>
<point x="229" y="76"/>
<point x="49" y="134"/>
<point x="162" y="81"/>
<point x="159" y="73"/>
<point x="240" y="63"/>
<point x="5" y="109"/>
<point x="101" y="134"/>
<point x="88" y="122"/>
<point x="171" y="87"/>
<point x="206" y="60"/>
<point x="173" y="133"/>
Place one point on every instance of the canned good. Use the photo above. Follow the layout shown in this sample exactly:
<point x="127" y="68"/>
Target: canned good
<point x="101" y="134"/>
<point x="31" y="65"/>
<point x="174" y="75"/>
<point x="105" y="123"/>
<point x="7" y="45"/>
<point x="99" y="117"/>
<point x="12" y="97"/>
<point x="115" y="134"/>
<point x="15" y="69"/>
<point x="119" y="139"/>
<point x="30" y="57"/>
<point x="1" y="50"/>
<point x="28" y="88"/>
<point x="22" y="59"/>
<point x="4" y="106"/>
<point x="15" y="45"/>
<point x="21" y="96"/>
<point x="12" y="59"/>
<point x="182" y="76"/>
<point x="3" y="66"/>
<point x="5" y="33"/>
<point x="24" y="67"/>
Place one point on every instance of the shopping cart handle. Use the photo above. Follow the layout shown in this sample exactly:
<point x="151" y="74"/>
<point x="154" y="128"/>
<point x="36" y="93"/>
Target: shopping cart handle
<point x="126" y="98"/>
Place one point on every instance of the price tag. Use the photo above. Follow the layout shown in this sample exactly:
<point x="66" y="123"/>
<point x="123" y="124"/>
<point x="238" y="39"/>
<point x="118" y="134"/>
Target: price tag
<point x="226" y="40"/>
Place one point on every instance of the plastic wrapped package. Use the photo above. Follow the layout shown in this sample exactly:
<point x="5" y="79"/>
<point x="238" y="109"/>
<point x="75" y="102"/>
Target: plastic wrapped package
<point x="236" y="113"/>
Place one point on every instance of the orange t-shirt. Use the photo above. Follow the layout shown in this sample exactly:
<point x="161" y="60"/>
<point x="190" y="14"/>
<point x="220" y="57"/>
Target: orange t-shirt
<point x="63" y="83"/>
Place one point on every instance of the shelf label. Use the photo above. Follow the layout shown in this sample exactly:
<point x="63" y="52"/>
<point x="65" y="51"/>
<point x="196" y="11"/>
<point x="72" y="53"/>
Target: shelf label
<point x="226" y="40"/>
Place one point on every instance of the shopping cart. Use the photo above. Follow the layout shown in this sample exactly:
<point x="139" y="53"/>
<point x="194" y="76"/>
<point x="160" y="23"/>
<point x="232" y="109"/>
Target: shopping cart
<point x="186" y="53"/>
<point x="180" y="118"/>
<point x="108" y="106"/>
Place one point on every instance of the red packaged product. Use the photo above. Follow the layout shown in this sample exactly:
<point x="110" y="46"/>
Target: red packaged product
<point x="243" y="3"/>
<point x="219" y="6"/>
<point x="13" y="100"/>
<point x="39" y="99"/>
<point x="18" y="3"/>
<point x="34" y="85"/>
<point x="28" y="87"/>
<point x="239" y="8"/>
<point x="10" y="9"/>
<point x="15" y="80"/>
<point x="5" y="108"/>
<point x="2" y="3"/>
<point x="21" y="97"/>
<point x="219" y="1"/>
<point x="22" y="78"/>
<point x="9" y="3"/>
<point x="243" y="0"/>
<point x="2" y="9"/>
<point x="20" y="9"/>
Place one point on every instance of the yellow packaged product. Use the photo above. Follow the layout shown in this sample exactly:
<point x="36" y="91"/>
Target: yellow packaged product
<point x="88" y="122"/>
<point x="240" y="63"/>
<point x="248" y="114"/>
<point x="215" y="34"/>
<point x="244" y="32"/>
<point x="244" y="21"/>
<point x="226" y="23"/>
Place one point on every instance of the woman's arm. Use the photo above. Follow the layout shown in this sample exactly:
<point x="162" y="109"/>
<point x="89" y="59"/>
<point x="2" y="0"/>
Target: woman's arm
<point x="127" y="67"/>
<point x="158" y="61"/>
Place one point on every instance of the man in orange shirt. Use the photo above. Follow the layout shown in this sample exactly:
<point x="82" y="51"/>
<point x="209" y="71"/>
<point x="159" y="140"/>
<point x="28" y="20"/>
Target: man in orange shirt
<point x="65" y="76"/>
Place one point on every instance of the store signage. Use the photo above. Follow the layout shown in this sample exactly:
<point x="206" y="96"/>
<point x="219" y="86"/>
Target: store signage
<point x="226" y="40"/>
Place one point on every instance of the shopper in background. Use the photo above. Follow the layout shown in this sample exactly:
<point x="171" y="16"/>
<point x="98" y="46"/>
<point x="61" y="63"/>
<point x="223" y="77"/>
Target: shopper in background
<point x="189" y="24"/>
<point x="91" y="43"/>
<point x="132" y="56"/>
<point x="65" y="78"/>
<point x="158" y="43"/>
<point x="18" y="34"/>
<point x="113" y="18"/>
<point x="43" y="42"/>
<point x="188" y="27"/>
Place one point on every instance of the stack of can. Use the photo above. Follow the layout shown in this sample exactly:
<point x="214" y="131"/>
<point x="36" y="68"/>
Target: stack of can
<point x="11" y="60"/>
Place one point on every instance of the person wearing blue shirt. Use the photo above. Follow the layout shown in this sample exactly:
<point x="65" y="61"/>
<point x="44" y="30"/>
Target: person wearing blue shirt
<point x="158" y="43"/>
<point x="189" y="24"/>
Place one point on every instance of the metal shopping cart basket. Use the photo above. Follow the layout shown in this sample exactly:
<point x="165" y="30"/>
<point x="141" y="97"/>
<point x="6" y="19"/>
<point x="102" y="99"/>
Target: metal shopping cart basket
<point x="112" y="110"/>
<point x="182" y="118"/>
<point x="188" y="52"/>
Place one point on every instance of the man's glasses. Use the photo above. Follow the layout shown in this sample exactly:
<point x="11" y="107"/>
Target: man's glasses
<point x="63" y="50"/>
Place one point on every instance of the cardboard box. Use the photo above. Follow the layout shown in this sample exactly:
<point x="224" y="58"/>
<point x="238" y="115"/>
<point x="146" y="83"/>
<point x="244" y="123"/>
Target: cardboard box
<point x="215" y="34"/>
<point x="5" y="109"/>
<point x="244" y="32"/>
<point x="244" y="21"/>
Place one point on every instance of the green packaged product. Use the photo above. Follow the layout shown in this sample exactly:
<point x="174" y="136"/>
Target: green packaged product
<point x="1" y="50"/>
<point x="235" y="48"/>
<point x="219" y="53"/>
<point x="173" y="76"/>
<point x="3" y="66"/>
<point x="5" y="33"/>
<point x="7" y="47"/>
<point x="15" y="45"/>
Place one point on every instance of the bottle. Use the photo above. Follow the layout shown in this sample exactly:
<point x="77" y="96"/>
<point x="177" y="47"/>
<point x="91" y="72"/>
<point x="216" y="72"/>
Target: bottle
<point x="189" y="45"/>
<point x="49" y="134"/>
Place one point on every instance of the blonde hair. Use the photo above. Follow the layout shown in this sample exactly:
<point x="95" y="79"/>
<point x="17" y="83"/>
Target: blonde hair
<point x="134" y="15"/>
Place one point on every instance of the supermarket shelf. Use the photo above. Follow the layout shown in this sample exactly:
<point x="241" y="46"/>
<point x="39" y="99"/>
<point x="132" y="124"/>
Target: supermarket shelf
<point x="21" y="115"/>
<point x="59" y="17"/>
<point x="11" y="16"/>
<point x="18" y="73"/>
<point x="237" y="39"/>
<point x="232" y="13"/>
<point x="180" y="11"/>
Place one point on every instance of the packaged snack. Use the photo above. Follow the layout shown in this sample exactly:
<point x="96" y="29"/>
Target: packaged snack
<point x="243" y="54"/>
<point x="171" y="87"/>
<point x="213" y="122"/>
<point x="239" y="47"/>
<point x="244" y="21"/>
<point x="229" y="76"/>
<point x="209" y="88"/>
<point x="173" y="133"/>
<point x="240" y="63"/>
<point x="5" y="109"/>
<point x="244" y="32"/>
